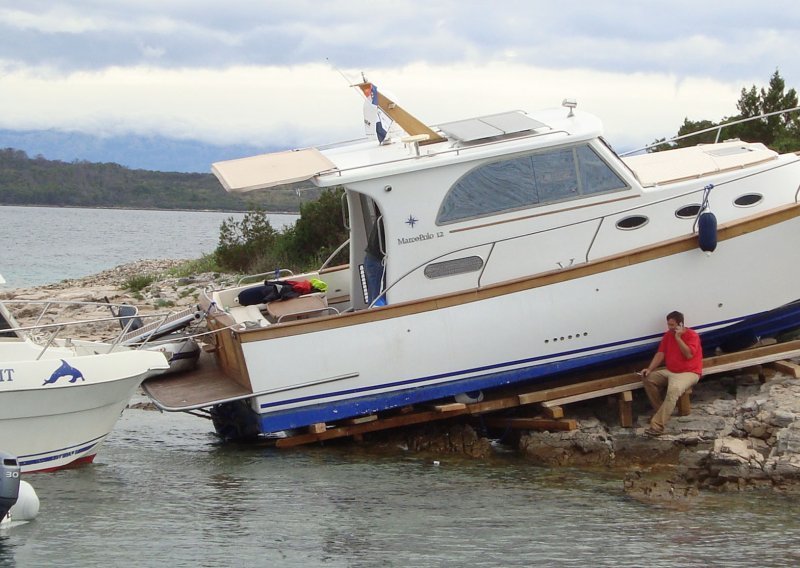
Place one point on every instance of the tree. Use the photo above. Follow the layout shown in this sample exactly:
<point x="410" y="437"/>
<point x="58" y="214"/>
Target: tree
<point x="781" y="132"/>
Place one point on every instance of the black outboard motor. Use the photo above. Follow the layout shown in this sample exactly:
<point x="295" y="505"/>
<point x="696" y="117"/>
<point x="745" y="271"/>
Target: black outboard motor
<point x="9" y="482"/>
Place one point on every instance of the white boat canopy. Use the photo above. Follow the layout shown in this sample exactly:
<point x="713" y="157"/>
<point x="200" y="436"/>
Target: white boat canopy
<point x="270" y="170"/>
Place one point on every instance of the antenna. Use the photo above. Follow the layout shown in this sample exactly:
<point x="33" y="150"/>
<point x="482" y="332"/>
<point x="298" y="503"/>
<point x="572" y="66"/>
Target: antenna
<point x="349" y="82"/>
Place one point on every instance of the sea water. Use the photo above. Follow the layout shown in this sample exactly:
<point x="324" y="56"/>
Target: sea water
<point x="164" y="491"/>
<point x="44" y="245"/>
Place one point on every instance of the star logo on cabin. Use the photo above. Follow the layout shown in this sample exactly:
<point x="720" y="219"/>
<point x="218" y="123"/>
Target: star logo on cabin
<point x="411" y="221"/>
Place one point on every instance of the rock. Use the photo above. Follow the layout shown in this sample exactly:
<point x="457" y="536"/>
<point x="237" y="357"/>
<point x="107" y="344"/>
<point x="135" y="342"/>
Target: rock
<point x="665" y="492"/>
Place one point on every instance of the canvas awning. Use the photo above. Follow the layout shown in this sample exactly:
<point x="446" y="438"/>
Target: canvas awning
<point x="270" y="170"/>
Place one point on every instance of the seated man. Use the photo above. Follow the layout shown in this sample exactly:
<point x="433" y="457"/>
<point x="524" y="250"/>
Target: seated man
<point x="682" y="354"/>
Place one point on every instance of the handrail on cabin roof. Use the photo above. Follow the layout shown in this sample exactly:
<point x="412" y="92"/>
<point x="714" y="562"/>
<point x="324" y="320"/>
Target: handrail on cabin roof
<point x="718" y="128"/>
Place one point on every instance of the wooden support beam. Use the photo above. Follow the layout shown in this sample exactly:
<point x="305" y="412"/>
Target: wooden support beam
<point x="685" y="404"/>
<point x="554" y="412"/>
<point x="493" y="405"/>
<point x="787" y="368"/>
<point x="531" y="423"/>
<point x="380" y="424"/>
<point x="625" y="402"/>
<point x="551" y="398"/>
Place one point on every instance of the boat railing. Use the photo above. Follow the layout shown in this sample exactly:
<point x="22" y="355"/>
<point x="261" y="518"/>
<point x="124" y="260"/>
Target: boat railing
<point x="275" y="274"/>
<point x="45" y="333"/>
<point x="718" y="128"/>
<point x="333" y="255"/>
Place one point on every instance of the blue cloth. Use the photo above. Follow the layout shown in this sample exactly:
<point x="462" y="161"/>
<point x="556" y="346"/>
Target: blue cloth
<point x="373" y="270"/>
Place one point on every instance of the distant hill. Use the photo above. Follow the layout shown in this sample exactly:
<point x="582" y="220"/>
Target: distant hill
<point x="156" y="153"/>
<point x="39" y="181"/>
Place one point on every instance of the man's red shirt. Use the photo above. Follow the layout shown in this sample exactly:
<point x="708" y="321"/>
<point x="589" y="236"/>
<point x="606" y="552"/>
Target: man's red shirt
<point x="674" y="359"/>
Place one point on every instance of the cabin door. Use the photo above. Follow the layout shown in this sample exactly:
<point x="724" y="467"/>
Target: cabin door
<point x="374" y="265"/>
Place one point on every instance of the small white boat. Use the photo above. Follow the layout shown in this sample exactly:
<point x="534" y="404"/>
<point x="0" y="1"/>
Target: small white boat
<point x="511" y="248"/>
<point x="60" y="398"/>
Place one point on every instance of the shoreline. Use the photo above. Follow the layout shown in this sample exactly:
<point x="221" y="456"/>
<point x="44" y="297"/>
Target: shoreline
<point x="269" y="212"/>
<point x="743" y="431"/>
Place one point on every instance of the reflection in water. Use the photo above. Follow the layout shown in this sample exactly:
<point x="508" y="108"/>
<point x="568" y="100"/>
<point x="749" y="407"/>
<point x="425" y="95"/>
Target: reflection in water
<point x="165" y="492"/>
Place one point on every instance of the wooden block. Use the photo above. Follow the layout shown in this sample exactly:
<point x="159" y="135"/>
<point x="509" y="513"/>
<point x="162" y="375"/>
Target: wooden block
<point x="317" y="428"/>
<point x="531" y="423"/>
<point x="625" y="402"/>
<point x="452" y="407"/>
<point x="787" y="368"/>
<point x="361" y="419"/>
<point x="684" y="404"/>
<point x="554" y="412"/>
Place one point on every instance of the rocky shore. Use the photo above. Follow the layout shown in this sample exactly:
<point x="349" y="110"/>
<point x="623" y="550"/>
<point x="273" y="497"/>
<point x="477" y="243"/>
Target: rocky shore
<point x="743" y="431"/>
<point x="164" y="294"/>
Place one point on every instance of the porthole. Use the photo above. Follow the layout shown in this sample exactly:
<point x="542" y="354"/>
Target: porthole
<point x="632" y="222"/>
<point x="688" y="211"/>
<point x="748" y="200"/>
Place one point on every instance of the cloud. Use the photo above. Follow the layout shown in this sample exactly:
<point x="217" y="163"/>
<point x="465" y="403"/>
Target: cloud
<point x="245" y="72"/>
<point x="313" y="104"/>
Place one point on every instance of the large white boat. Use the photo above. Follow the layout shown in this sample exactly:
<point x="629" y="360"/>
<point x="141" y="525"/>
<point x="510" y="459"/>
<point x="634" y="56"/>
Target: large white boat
<point x="61" y="397"/>
<point x="511" y="248"/>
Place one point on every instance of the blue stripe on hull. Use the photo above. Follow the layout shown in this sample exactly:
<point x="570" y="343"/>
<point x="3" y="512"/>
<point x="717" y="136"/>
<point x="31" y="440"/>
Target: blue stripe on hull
<point x="45" y="459"/>
<point x="360" y="403"/>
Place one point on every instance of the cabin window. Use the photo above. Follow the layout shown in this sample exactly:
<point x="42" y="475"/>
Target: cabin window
<point x="748" y="200"/>
<point x="454" y="267"/>
<point x="528" y="181"/>
<point x="632" y="222"/>
<point x="688" y="211"/>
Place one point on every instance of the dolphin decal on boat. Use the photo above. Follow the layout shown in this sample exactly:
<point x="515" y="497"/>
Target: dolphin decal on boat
<point x="65" y="370"/>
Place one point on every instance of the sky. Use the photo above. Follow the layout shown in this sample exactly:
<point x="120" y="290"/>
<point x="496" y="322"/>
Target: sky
<point x="277" y="74"/>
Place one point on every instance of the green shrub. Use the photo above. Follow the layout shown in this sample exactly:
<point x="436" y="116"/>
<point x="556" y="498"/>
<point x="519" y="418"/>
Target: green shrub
<point x="139" y="282"/>
<point x="252" y="246"/>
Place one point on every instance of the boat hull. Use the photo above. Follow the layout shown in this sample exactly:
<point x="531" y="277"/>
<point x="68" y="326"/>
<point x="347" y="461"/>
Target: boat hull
<point x="578" y="318"/>
<point x="57" y="412"/>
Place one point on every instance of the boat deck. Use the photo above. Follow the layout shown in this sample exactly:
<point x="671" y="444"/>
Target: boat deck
<point x="202" y="387"/>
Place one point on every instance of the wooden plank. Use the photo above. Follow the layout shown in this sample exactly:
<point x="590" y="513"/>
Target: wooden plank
<point x="317" y="428"/>
<point x="361" y="419"/>
<point x="579" y="388"/>
<point x="531" y="423"/>
<point x="787" y="368"/>
<point x="493" y="405"/>
<point x="593" y="394"/>
<point x="453" y="406"/>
